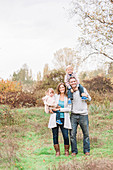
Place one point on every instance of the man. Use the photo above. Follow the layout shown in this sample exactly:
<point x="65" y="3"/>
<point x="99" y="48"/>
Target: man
<point x="79" y="116"/>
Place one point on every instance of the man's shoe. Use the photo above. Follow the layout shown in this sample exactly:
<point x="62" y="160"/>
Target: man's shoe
<point x="73" y="154"/>
<point x="84" y="98"/>
<point x="69" y="101"/>
<point x="87" y="153"/>
<point x="59" y="122"/>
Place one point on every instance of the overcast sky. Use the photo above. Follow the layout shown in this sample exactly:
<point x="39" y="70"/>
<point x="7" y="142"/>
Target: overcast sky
<point x="31" y="31"/>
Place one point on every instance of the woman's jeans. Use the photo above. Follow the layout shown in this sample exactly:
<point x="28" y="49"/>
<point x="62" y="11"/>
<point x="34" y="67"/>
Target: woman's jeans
<point x="64" y="131"/>
<point x="83" y="121"/>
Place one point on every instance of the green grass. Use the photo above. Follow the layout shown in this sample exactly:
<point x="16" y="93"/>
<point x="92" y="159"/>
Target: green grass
<point x="26" y="143"/>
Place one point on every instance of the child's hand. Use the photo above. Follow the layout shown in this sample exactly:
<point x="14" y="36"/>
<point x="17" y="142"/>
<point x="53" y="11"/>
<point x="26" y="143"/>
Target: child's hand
<point x="50" y="111"/>
<point x="58" y="106"/>
<point x="72" y="91"/>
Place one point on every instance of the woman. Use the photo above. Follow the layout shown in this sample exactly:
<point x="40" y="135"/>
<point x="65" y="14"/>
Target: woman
<point x="62" y="101"/>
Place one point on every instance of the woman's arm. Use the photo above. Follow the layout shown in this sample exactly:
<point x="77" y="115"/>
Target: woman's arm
<point x="66" y="109"/>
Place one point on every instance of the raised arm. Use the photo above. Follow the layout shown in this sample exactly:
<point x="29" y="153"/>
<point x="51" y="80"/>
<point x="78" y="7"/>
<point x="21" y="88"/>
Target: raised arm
<point x="89" y="97"/>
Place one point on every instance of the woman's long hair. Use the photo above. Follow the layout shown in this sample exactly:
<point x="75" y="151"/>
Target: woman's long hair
<point x="58" y="91"/>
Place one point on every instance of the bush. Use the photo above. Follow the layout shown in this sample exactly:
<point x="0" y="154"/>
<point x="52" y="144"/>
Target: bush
<point x="12" y="94"/>
<point x="99" y="84"/>
<point x="100" y="88"/>
<point x="9" y="86"/>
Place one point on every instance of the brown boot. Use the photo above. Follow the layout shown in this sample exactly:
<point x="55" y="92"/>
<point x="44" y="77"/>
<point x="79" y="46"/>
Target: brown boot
<point x="66" y="150"/>
<point x="57" y="149"/>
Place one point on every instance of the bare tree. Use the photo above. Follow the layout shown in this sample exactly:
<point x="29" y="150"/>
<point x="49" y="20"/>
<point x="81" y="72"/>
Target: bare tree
<point x="39" y="76"/>
<point x="45" y="70"/>
<point x="66" y="56"/>
<point x="95" y="18"/>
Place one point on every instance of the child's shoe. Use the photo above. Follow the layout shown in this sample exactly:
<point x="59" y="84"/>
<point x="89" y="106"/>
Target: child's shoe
<point x="84" y="98"/>
<point x="69" y="101"/>
<point x="59" y="122"/>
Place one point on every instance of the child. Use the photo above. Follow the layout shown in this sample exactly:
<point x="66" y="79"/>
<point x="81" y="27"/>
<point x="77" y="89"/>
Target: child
<point x="49" y="101"/>
<point x="69" y="73"/>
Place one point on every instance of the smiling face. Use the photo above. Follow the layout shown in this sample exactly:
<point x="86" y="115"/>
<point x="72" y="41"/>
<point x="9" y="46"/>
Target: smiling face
<point x="69" y="70"/>
<point x="61" y="88"/>
<point x="51" y="93"/>
<point x="73" y="83"/>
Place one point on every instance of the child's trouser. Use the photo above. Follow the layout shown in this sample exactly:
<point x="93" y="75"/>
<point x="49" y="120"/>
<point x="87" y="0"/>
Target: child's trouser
<point x="70" y="94"/>
<point x="57" y="114"/>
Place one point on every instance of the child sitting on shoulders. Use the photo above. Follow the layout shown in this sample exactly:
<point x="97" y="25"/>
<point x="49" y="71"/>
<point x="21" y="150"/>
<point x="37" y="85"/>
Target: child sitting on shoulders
<point x="70" y="73"/>
<point x="49" y="102"/>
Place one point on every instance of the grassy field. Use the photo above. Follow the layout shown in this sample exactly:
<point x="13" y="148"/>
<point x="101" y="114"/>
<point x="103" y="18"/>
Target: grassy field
<point x="26" y="142"/>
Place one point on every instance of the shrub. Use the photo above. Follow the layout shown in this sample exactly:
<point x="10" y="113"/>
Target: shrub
<point x="50" y="80"/>
<point x="12" y="94"/>
<point x="9" y="86"/>
<point x="100" y="88"/>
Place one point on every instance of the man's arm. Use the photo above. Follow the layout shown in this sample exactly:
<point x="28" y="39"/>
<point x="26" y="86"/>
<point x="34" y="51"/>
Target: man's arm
<point x="87" y="94"/>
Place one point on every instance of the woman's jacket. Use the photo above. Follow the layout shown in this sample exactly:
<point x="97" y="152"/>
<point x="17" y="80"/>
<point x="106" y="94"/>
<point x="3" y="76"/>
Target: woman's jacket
<point x="66" y="110"/>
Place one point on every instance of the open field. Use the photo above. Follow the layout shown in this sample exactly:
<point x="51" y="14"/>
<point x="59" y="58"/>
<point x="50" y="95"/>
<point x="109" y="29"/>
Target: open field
<point x="26" y="142"/>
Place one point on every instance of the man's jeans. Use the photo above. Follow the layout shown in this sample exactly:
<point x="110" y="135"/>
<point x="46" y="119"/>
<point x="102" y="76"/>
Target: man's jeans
<point x="83" y="121"/>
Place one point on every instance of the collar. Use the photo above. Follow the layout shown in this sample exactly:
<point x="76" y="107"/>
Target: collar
<point x="76" y="89"/>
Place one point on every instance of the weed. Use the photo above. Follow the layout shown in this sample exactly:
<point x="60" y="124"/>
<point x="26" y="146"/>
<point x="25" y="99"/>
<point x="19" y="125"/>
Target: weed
<point x="27" y="142"/>
<point x="6" y="117"/>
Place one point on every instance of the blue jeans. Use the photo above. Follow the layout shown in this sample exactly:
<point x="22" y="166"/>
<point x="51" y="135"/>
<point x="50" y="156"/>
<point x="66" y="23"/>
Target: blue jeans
<point x="83" y="121"/>
<point x="70" y="95"/>
<point x="64" y="131"/>
<point x="57" y="114"/>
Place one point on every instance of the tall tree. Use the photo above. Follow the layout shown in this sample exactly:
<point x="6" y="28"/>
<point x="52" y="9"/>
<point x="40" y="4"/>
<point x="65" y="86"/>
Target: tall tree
<point x="66" y="56"/>
<point x="95" y="18"/>
<point x="23" y="75"/>
<point x="39" y="76"/>
<point x="110" y="70"/>
<point x="45" y="70"/>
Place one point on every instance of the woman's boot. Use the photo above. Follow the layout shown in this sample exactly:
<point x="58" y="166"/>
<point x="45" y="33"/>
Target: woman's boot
<point x="57" y="149"/>
<point x="66" y="150"/>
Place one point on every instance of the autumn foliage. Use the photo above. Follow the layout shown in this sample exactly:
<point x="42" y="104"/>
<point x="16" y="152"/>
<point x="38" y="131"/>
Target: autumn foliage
<point x="11" y="93"/>
<point x="9" y="86"/>
<point x="100" y="88"/>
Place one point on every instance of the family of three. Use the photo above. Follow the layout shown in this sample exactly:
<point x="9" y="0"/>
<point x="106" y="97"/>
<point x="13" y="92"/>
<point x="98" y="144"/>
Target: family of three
<point x="71" y="97"/>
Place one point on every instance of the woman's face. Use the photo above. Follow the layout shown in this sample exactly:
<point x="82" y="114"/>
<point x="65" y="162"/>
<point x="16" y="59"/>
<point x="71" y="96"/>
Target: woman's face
<point x="62" y="89"/>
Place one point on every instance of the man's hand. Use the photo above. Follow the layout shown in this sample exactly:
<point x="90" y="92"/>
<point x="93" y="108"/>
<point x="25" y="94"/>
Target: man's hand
<point x="84" y="94"/>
